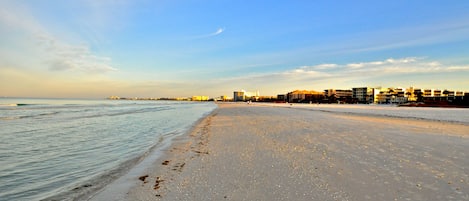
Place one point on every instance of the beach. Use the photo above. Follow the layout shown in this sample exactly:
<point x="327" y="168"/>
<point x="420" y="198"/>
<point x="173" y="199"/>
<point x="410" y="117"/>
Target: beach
<point x="260" y="152"/>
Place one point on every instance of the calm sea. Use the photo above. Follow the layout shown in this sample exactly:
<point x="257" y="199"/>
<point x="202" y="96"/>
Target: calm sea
<point x="56" y="146"/>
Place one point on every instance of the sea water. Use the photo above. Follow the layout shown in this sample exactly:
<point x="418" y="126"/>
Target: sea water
<point x="55" y="146"/>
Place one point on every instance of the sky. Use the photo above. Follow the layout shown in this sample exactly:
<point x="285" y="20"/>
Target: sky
<point x="173" y="48"/>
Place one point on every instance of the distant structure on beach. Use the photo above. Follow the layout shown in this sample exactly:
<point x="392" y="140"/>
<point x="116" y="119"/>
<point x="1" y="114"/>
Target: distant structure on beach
<point x="243" y="95"/>
<point x="200" y="98"/>
<point x="114" y="97"/>
<point x="380" y="95"/>
<point x="225" y="98"/>
<point x="339" y="95"/>
<point x="364" y="94"/>
<point x="304" y="96"/>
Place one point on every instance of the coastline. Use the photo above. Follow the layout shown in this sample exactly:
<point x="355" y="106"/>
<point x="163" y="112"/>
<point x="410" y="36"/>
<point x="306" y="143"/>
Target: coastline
<point x="260" y="152"/>
<point x="118" y="188"/>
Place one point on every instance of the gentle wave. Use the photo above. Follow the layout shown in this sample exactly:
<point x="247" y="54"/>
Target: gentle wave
<point x="69" y="149"/>
<point x="15" y="105"/>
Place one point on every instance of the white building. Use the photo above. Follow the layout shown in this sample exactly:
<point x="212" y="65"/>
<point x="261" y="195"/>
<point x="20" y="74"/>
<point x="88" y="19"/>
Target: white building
<point x="245" y="96"/>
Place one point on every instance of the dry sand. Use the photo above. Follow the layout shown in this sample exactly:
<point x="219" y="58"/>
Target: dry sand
<point x="249" y="152"/>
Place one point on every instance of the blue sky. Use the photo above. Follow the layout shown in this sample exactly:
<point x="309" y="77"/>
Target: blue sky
<point x="94" y="49"/>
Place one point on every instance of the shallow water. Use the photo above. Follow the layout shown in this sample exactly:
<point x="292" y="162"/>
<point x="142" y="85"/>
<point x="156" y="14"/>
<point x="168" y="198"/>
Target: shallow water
<point x="51" y="146"/>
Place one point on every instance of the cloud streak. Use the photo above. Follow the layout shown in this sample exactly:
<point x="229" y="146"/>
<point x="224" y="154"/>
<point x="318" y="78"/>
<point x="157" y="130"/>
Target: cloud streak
<point x="388" y="66"/>
<point x="216" y="33"/>
<point x="66" y="57"/>
<point x="57" y="54"/>
<point x="413" y="36"/>
<point x="348" y="75"/>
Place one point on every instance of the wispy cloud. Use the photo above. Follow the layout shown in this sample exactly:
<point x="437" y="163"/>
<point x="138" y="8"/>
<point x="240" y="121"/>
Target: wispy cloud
<point x="57" y="54"/>
<point x="435" y="33"/>
<point x="388" y="66"/>
<point x="379" y="40"/>
<point x="216" y="33"/>
<point x="358" y="70"/>
<point x="325" y="66"/>
<point x="73" y="57"/>
<point x="347" y="75"/>
<point x="386" y="62"/>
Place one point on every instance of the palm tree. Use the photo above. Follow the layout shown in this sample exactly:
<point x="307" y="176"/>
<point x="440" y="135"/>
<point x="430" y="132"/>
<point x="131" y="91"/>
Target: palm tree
<point x="408" y="94"/>
<point x="446" y="92"/>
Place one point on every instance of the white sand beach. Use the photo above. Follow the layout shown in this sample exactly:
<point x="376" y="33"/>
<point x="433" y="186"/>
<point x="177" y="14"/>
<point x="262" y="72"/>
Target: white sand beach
<point x="259" y="152"/>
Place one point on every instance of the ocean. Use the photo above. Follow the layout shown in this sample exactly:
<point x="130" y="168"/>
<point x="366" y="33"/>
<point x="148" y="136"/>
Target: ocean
<point x="52" y="147"/>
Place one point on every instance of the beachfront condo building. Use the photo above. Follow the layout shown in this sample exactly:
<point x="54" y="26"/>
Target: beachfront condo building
<point x="238" y="96"/>
<point x="338" y="95"/>
<point x="225" y="98"/>
<point x="391" y="96"/>
<point x="427" y="92"/>
<point x="305" y="96"/>
<point x="243" y="95"/>
<point x="411" y="94"/>
<point x="377" y="95"/>
<point x="364" y="94"/>
<point x="200" y="98"/>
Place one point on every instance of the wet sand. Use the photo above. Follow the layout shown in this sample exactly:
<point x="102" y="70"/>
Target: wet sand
<point x="252" y="152"/>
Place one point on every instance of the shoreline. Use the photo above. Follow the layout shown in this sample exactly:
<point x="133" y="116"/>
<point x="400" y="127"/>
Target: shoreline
<point x="254" y="152"/>
<point x="118" y="188"/>
<point x="173" y="160"/>
<point x="73" y="147"/>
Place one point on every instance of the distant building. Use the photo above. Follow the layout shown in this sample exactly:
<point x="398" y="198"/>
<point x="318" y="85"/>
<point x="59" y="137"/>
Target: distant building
<point x="391" y="96"/>
<point x="305" y="96"/>
<point x="182" y="98"/>
<point x="427" y="92"/>
<point x="239" y="96"/>
<point x="282" y="97"/>
<point x="245" y="96"/>
<point x="449" y="93"/>
<point x="224" y="98"/>
<point x="200" y="98"/>
<point x="436" y="92"/>
<point x="338" y="95"/>
<point x="363" y="94"/>
<point x="418" y="93"/>
<point x="114" y="97"/>
<point x="410" y="93"/>
<point x="266" y="98"/>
